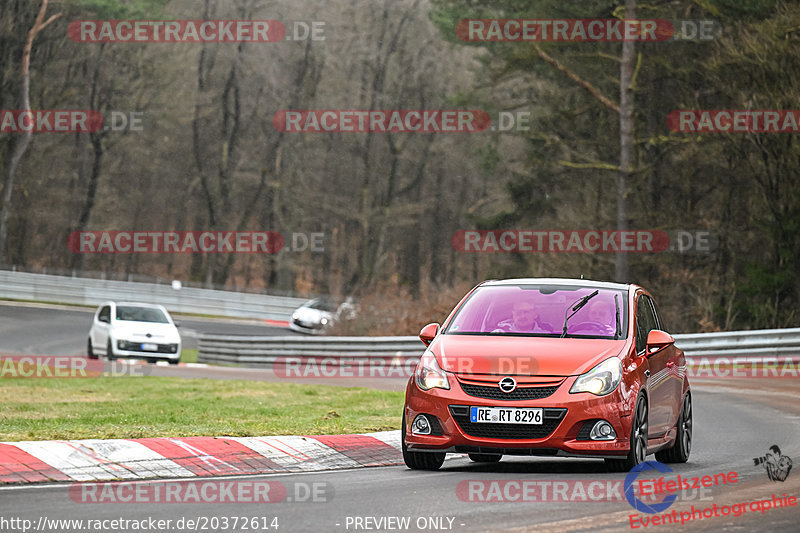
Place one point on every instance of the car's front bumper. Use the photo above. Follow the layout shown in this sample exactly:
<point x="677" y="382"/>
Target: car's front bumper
<point x="302" y="327"/>
<point x="148" y="355"/>
<point x="565" y="416"/>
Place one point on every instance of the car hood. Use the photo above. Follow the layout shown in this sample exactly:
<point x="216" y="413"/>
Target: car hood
<point x="526" y="356"/>
<point x="130" y="330"/>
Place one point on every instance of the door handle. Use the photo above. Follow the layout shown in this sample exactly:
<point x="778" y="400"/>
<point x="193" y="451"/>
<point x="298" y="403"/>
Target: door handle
<point x="670" y="364"/>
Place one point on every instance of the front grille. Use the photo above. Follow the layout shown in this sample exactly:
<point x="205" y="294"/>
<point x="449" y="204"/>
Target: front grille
<point x="137" y="347"/>
<point x="520" y="393"/>
<point x="551" y="417"/>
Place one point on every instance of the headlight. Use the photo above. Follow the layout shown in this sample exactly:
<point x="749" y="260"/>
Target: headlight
<point x="600" y="380"/>
<point x="429" y="375"/>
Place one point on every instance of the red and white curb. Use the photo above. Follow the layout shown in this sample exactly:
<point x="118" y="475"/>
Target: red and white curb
<point x="186" y="457"/>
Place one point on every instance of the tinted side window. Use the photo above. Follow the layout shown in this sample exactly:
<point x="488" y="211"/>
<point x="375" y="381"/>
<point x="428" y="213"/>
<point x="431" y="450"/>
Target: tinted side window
<point x="645" y="321"/>
<point x="105" y="314"/>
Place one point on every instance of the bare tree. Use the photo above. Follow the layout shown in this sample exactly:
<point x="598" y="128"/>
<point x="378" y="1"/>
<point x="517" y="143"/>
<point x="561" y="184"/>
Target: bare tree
<point x="21" y="145"/>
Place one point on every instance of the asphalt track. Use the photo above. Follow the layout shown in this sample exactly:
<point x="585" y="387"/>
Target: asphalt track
<point x="735" y="420"/>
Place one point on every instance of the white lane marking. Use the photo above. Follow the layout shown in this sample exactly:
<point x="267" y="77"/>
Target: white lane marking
<point x="79" y="464"/>
<point x="136" y="457"/>
<point x="392" y="438"/>
<point x="297" y="453"/>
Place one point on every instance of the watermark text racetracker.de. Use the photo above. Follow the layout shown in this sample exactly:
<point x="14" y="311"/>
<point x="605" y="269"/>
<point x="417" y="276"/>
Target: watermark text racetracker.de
<point x="752" y="366"/>
<point x="734" y="121"/>
<point x="381" y="121"/>
<point x="194" y="31"/>
<point x="583" y="241"/>
<point x="66" y="366"/>
<point x="206" y="491"/>
<point x="397" y="366"/>
<point x="561" y="490"/>
<point x="586" y="30"/>
<point x="344" y="367"/>
<point x="68" y="121"/>
<point x="183" y="242"/>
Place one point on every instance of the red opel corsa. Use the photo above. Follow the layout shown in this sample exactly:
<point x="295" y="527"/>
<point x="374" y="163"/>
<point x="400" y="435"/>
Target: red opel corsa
<point x="549" y="367"/>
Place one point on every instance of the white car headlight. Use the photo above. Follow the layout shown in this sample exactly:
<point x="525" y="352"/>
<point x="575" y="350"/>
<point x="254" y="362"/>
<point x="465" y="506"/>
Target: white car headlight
<point x="600" y="380"/>
<point x="429" y="375"/>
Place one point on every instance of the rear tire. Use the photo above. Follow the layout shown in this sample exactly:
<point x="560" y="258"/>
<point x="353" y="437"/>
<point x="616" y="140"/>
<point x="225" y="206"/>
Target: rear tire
<point x="638" y="440"/>
<point x="90" y="351"/>
<point x="679" y="451"/>
<point x="420" y="460"/>
<point x="485" y="457"/>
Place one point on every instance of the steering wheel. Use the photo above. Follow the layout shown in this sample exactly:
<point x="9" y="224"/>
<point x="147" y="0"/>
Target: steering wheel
<point x="590" y="327"/>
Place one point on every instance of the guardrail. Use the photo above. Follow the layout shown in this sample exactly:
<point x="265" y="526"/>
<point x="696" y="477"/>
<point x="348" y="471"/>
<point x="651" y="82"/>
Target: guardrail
<point x="265" y="351"/>
<point x="92" y="292"/>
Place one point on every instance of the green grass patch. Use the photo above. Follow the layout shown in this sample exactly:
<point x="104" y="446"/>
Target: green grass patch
<point x="134" y="407"/>
<point x="189" y="355"/>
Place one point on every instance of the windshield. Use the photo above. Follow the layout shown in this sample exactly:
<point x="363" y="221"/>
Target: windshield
<point x="539" y="310"/>
<point x="141" y="314"/>
<point x="322" y="305"/>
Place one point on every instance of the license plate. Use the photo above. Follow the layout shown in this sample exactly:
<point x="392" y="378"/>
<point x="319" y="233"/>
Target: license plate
<point x="505" y="415"/>
<point x="148" y="347"/>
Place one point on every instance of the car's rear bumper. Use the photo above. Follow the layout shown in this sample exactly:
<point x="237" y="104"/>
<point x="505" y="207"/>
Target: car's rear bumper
<point x="562" y="432"/>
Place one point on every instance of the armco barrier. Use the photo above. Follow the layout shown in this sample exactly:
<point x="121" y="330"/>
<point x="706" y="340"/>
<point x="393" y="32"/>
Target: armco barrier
<point x="87" y="291"/>
<point x="263" y="351"/>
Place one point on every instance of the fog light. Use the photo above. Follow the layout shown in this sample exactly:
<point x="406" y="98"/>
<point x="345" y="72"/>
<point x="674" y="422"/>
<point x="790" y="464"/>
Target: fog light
<point x="602" y="430"/>
<point x="421" y="426"/>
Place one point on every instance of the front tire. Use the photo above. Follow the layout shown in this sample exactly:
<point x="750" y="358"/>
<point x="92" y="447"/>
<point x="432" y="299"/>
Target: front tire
<point x="420" y="460"/>
<point x="638" y="440"/>
<point x="110" y="351"/>
<point x="90" y="351"/>
<point x="679" y="451"/>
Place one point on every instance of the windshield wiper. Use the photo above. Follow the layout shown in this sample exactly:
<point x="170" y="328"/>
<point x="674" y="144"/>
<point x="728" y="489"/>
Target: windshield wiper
<point x="618" y="331"/>
<point x="577" y="305"/>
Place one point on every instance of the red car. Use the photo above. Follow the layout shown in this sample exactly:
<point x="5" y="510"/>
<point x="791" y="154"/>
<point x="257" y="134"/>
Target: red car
<point x="549" y="367"/>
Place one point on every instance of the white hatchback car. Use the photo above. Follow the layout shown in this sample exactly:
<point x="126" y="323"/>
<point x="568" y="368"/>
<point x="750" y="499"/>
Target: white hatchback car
<point x="134" y="330"/>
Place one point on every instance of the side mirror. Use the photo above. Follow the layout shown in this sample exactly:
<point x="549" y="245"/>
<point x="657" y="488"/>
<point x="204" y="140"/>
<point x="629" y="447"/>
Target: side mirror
<point x="177" y="324"/>
<point x="658" y="340"/>
<point x="103" y="319"/>
<point x="428" y="333"/>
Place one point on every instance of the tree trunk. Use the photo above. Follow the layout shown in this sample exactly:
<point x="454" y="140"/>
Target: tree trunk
<point x="626" y="144"/>
<point x="21" y="146"/>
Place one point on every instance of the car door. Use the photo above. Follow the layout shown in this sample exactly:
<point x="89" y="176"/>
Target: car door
<point x="676" y="369"/>
<point x="658" y="386"/>
<point x="100" y="328"/>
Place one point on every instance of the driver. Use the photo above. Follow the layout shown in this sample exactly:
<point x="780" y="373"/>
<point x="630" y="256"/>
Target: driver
<point x="601" y="314"/>
<point x="524" y="319"/>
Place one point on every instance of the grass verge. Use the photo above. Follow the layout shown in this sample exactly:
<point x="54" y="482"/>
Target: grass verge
<point x="134" y="407"/>
<point x="189" y="355"/>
